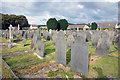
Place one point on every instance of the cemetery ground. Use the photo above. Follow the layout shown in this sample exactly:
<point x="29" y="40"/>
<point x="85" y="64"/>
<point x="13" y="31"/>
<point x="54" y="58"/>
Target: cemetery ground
<point x="23" y="62"/>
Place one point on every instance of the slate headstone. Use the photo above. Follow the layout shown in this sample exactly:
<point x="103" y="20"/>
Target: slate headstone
<point x="60" y="48"/>
<point x="95" y="37"/>
<point x="88" y="36"/>
<point x="34" y="40"/>
<point x="24" y="39"/>
<point x="79" y="56"/>
<point x="70" y="41"/>
<point x="40" y="48"/>
<point x="54" y="38"/>
<point x="103" y="46"/>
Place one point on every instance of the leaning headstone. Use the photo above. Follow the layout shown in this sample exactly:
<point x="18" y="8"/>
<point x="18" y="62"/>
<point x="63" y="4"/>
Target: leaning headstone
<point x="40" y="48"/>
<point x="34" y="40"/>
<point x="79" y="56"/>
<point x="60" y="48"/>
<point x="103" y="46"/>
<point x="70" y="41"/>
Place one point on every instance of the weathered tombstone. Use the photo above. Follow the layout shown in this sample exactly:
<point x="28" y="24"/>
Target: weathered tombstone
<point x="88" y="36"/>
<point x="10" y="36"/>
<point x="79" y="56"/>
<point x="103" y="46"/>
<point x="117" y="37"/>
<point x="40" y="48"/>
<point x="95" y="37"/>
<point x="70" y="41"/>
<point x="34" y="40"/>
<point x="54" y="38"/>
<point x="111" y="35"/>
<point x="82" y="34"/>
<point x="24" y="39"/>
<point x="20" y="35"/>
<point x="60" y="50"/>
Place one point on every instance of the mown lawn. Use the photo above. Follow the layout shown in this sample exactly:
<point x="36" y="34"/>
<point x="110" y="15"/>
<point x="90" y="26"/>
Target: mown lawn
<point x="101" y="68"/>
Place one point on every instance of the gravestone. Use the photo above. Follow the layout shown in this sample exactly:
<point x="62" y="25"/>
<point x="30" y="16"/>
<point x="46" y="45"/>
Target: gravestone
<point x="10" y="36"/>
<point x="54" y="38"/>
<point x="34" y="40"/>
<point x="88" y="36"/>
<point x="103" y="46"/>
<point x="111" y="35"/>
<point x="81" y="34"/>
<point x="70" y="41"/>
<point x="117" y="38"/>
<point x="79" y="56"/>
<point x="95" y="37"/>
<point x="40" y="48"/>
<point x="24" y="39"/>
<point x="20" y="34"/>
<point x="60" y="48"/>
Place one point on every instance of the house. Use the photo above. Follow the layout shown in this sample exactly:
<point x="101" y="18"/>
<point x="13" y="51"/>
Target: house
<point x="43" y="26"/>
<point x="33" y="26"/>
<point x="107" y="25"/>
<point x="78" y="27"/>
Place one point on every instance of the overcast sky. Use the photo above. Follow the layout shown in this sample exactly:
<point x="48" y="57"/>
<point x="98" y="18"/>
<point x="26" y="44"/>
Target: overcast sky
<point x="74" y="12"/>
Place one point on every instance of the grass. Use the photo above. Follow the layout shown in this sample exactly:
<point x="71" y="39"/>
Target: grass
<point x="2" y="40"/>
<point x="105" y="67"/>
<point x="21" y="59"/>
<point x="102" y="68"/>
<point x="6" y="72"/>
<point x="16" y="48"/>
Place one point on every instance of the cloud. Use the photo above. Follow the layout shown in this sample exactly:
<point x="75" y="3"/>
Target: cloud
<point x="80" y="6"/>
<point x="74" y="12"/>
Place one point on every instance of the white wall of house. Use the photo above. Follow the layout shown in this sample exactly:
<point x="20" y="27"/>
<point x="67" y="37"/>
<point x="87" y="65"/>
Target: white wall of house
<point x="86" y="27"/>
<point x="31" y="27"/>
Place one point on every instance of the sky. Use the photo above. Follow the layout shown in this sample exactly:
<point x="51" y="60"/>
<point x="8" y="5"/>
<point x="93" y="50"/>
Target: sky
<point x="76" y="12"/>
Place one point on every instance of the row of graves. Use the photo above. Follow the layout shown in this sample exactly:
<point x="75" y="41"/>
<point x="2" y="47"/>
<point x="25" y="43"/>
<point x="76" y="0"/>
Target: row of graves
<point x="77" y="42"/>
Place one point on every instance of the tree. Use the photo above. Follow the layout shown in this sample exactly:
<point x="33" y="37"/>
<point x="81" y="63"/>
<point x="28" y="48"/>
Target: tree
<point x="52" y="24"/>
<point x="14" y="20"/>
<point x="63" y="24"/>
<point x="93" y="26"/>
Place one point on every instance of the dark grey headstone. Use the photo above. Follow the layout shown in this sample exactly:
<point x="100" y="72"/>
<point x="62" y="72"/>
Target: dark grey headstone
<point x="40" y="48"/>
<point x="60" y="50"/>
<point x="79" y="56"/>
